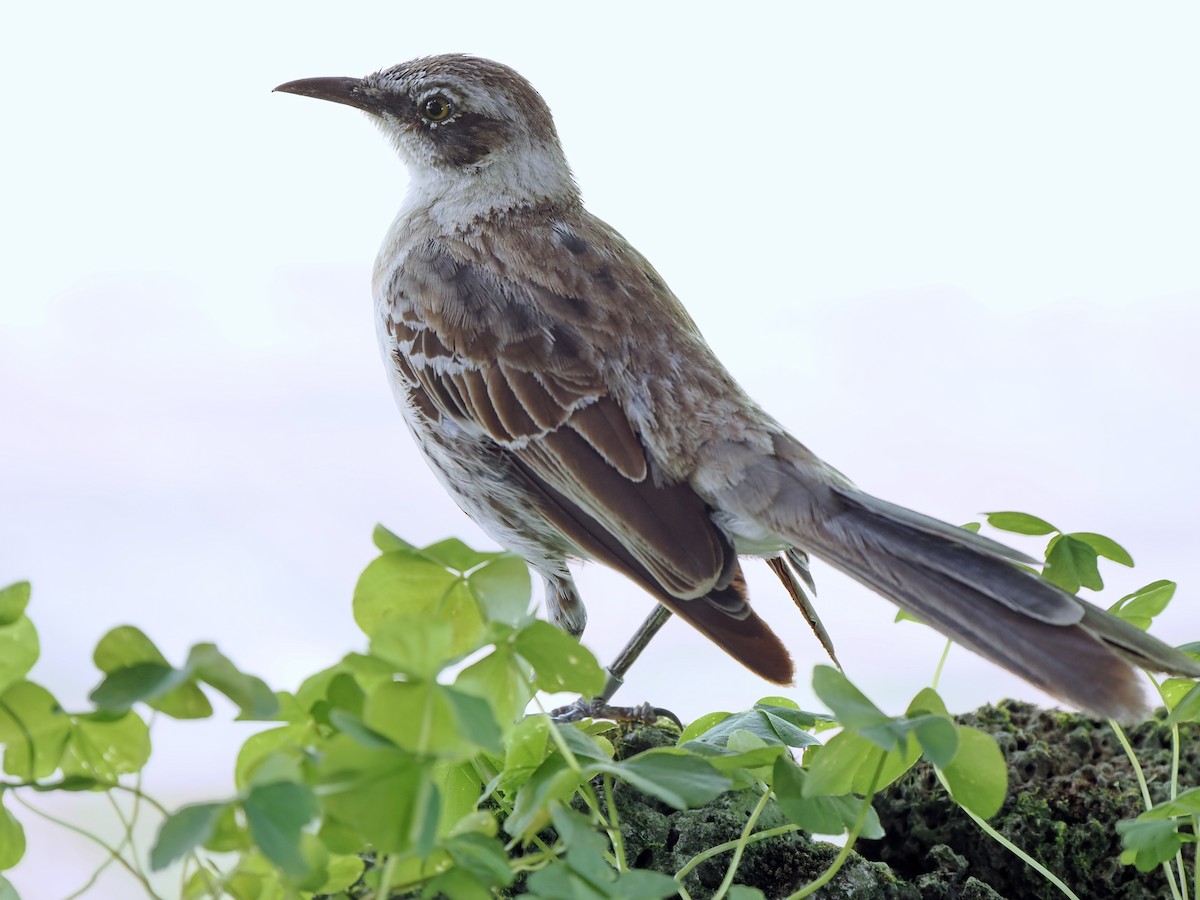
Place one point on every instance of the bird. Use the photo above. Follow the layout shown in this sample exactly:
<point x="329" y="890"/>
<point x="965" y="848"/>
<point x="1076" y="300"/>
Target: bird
<point x="569" y="404"/>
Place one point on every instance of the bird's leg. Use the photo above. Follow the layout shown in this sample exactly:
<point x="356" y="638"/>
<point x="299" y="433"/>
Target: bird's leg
<point x="598" y="707"/>
<point x="632" y="650"/>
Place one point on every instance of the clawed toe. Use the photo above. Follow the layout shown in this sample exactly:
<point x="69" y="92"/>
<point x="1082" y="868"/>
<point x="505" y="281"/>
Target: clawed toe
<point x="598" y="708"/>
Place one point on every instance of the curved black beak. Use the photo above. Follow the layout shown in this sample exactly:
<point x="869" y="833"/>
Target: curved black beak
<point x="350" y="91"/>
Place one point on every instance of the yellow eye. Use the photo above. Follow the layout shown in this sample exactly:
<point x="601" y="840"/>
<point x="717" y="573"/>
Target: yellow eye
<point x="437" y="108"/>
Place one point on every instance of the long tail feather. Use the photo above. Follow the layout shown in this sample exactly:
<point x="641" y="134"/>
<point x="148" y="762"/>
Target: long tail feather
<point x="963" y="586"/>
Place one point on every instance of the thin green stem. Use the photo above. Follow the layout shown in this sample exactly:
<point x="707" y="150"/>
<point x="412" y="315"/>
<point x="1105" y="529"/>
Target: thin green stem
<point x="840" y="860"/>
<point x="1137" y="766"/>
<point x="727" y="846"/>
<point x="113" y="854"/>
<point x="387" y="875"/>
<point x="937" y="673"/>
<point x="742" y="841"/>
<point x="614" y="825"/>
<point x="1145" y="789"/>
<point x="1179" y="864"/>
<point x="1011" y="847"/>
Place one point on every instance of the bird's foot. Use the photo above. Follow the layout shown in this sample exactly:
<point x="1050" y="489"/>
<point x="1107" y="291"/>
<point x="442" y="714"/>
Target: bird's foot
<point x="598" y="708"/>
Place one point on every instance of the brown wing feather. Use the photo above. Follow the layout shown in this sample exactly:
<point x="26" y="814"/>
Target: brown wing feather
<point x="745" y="637"/>
<point x="536" y="347"/>
<point x="665" y="527"/>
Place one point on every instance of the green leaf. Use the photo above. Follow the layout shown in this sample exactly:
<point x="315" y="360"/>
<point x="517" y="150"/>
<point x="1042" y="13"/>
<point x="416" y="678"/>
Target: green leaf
<point x="229" y="835"/>
<point x="7" y="891"/>
<point x="429" y="719"/>
<point x="553" y="780"/>
<point x="484" y="857"/>
<point x="405" y="583"/>
<point x="1019" y="523"/>
<point x="938" y="738"/>
<point x="1174" y="690"/>
<point x="414" y="645"/>
<point x="341" y="874"/>
<point x="454" y="554"/>
<point x="977" y="776"/>
<point x="252" y="696"/>
<point x="1149" y="843"/>
<point x="1186" y="803"/>
<point x="819" y="814"/>
<point x="849" y="762"/>
<point x="849" y="705"/>
<point x="675" y="777"/>
<point x="105" y="748"/>
<point x="126" y="647"/>
<point x="560" y="662"/>
<point x="460" y="884"/>
<point x="1140" y="607"/>
<point x="143" y="682"/>
<point x="745" y="892"/>
<point x="1105" y="546"/>
<point x="700" y="726"/>
<point x="19" y="650"/>
<point x="386" y="795"/>
<point x="502" y="588"/>
<point x="1187" y="707"/>
<point x="388" y="542"/>
<point x="258" y="747"/>
<point x="774" y="725"/>
<point x="276" y="813"/>
<point x="12" y="839"/>
<point x="500" y="678"/>
<point x="184" y="831"/>
<point x="525" y="750"/>
<point x="13" y="600"/>
<point x="744" y="765"/>
<point x="33" y="729"/>
<point x="474" y="719"/>
<point x="1071" y="564"/>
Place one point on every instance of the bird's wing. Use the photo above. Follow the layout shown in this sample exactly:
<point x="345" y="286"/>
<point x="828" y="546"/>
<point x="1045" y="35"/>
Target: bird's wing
<point x="520" y="359"/>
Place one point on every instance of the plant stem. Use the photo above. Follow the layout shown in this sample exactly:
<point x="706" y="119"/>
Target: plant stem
<point x="614" y="825"/>
<point x="740" y="845"/>
<point x="840" y="860"/>
<point x="937" y="673"/>
<point x="1011" y="847"/>
<point x="113" y="854"/>
<point x="727" y="846"/>
<point x="387" y="875"/>
<point x="1145" y="789"/>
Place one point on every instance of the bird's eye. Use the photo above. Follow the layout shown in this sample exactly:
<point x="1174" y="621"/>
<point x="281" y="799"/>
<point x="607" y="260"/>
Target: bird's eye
<point x="437" y="109"/>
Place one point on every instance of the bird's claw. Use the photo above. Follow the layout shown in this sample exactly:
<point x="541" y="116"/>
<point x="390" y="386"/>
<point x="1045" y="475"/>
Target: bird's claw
<point x="598" y="708"/>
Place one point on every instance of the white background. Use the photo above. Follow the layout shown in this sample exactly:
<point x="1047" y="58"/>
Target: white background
<point x="953" y="247"/>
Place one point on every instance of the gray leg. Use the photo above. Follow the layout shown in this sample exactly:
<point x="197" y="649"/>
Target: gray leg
<point x="597" y="707"/>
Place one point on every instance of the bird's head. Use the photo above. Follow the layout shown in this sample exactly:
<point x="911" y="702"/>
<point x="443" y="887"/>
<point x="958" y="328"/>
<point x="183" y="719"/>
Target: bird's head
<point x="472" y="132"/>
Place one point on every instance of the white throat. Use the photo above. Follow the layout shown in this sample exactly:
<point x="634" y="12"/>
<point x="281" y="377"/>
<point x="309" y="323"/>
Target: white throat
<point x="519" y="176"/>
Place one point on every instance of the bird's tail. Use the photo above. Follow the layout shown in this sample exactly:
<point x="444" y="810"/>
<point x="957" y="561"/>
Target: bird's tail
<point x="972" y="590"/>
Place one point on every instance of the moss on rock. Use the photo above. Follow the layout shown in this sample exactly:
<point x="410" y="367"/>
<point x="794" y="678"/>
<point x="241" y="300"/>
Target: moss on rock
<point x="1069" y="783"/>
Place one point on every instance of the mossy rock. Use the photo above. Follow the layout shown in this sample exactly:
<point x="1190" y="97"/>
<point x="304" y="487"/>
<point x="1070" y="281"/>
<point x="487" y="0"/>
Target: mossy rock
<point x="1069" y="784"/>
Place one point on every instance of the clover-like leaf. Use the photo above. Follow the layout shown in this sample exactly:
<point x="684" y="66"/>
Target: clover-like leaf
<point x="560" y="662"/>
<point x="1071" y="564"/>
<point x="183" y="831"/>
<point x="13" y="600"/>
<point x="1019" y="523"/>
<point x="276" y="813"/>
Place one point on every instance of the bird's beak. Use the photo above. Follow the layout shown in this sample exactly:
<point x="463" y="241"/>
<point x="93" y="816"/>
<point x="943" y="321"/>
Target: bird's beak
<point x="350" y="91"/>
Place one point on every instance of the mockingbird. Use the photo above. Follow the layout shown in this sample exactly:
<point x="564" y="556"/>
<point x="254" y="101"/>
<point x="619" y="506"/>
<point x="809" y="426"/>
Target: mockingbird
<point x="569" y="404"/>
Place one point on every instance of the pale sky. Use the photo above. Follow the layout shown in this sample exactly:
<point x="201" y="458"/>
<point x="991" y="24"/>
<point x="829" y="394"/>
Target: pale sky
<point x="952" y="247"/>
